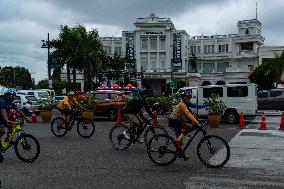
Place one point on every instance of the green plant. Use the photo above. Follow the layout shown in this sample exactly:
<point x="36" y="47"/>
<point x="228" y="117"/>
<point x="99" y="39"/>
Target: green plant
<point x="88" y="102"/>
<point x="215" y="105"/>
<point x="46" y="104"/>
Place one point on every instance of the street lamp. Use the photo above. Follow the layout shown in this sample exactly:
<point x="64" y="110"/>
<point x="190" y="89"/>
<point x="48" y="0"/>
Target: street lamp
<point x="46" y="44"/>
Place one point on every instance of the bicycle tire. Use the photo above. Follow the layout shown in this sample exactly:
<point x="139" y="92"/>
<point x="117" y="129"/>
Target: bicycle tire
<point x="160" y="145"/>
<point x="57" y="125"/>
<point x="153" y="131"/>
<point x="215" y="151"/>
<point x="22" y="141"/>
<point x="85" y="124"/>
<point x="116" y="137"/>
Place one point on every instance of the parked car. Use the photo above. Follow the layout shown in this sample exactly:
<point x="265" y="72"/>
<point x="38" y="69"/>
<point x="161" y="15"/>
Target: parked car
<point x="27" y="103"/>
<point x="271" y="99"/>
<point x="108" y="101"/>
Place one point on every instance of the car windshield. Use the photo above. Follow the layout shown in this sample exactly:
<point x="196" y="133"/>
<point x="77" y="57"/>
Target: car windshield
<point x="275" y="93"/>
<point x="101" y="96"/>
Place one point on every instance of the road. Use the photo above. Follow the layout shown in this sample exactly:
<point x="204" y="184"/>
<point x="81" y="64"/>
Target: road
<point x="74" y="162"/>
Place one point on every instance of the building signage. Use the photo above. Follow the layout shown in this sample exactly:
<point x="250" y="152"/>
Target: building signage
<point x="153" y="33"/>
<point x="177" y="60"/>
<point x="130" y="46"/>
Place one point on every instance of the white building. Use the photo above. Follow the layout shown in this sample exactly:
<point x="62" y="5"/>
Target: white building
<point x="162" y="52"/>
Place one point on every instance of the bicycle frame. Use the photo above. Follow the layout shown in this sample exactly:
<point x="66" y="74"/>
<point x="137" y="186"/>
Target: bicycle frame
<point x="145" y="125"/>
<point x="11" y="136"/>
<point x="198" y="130"/>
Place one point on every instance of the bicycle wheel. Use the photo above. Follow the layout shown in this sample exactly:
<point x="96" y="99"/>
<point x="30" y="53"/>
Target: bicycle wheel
<point x="161" y="150"/>
<point x="153" y="131"/>
<point x="58" y="127"/>
<point x="27" y="148"/>
<point x="85" y="128"/>
<point x="117" y="139"/>
<point x="213" y="151"/>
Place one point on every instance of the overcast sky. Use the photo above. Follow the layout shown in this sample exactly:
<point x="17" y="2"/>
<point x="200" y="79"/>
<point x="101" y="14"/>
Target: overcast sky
<point x="24" y="23"/>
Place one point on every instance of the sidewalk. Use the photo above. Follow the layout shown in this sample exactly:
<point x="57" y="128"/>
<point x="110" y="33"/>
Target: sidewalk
<point x="253" y="148"/>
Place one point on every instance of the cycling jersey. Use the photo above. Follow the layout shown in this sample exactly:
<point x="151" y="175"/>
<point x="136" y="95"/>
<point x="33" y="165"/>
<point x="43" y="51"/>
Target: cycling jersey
<point x="181" y="112"/>
<point x="4" y="104"/>
<point x="67" y="102"/>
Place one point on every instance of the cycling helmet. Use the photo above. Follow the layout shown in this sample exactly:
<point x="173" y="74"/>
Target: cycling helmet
<point x="10" y="91"/>
<point x="185" y="93"/>
<point x="71" y="93"/>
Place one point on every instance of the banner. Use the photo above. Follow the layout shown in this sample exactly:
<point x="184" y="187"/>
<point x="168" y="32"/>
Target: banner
<point x="177" y="60"/>
<point x="130" y="46"/>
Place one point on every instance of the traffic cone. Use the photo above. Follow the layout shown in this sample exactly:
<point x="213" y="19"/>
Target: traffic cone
<point x="33" y="116"/>
<point x="282" y="122"/>
<point x="262" y="123"/>
<point x="155" y="120"/>
<point x="242" y="122"/>
<point x="118" y="121"/>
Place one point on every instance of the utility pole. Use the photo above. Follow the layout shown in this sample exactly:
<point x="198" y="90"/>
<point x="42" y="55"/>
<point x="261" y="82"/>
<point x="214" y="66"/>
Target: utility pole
<point x="46" y="44"/>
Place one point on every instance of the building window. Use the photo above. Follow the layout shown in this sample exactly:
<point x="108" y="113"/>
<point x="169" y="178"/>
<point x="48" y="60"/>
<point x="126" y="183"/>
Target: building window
<point x="117" y="50"/>
<point x="221" y="67"/>
<point x="223" y="48"/>
<point x="247" y="46"/>
<point x="144" y="43"/>
<point x="144" y="64"/>
<point x="153" y="43"/>
<point x="162" y="43"/>
<point x="247" y="31"/>
<point x="153" y="64"/>
<point x="107" y="49"/>
<point x="163" y="61"/>
<point x="208" y="49"/>
<point x="195" y="49"/>
<point x="208" y="67"/>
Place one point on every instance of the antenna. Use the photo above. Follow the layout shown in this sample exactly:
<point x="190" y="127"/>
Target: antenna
<point x="256" y="10"/>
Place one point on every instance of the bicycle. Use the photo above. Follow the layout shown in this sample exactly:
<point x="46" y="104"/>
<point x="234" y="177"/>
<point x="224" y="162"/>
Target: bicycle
<point x="85" y="127"/>
<point x="119" y="142"/>
<point x="23" y="144"/>
<point x="162" y="145"/>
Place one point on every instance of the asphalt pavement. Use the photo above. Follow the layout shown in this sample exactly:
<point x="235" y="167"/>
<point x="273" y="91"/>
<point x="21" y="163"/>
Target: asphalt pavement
<point x="74" y="162"/>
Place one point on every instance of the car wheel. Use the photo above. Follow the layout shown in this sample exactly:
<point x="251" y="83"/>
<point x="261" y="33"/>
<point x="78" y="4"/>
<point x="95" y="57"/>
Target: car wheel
<point x="232" y="116"/>
<point x="112" y="114"/>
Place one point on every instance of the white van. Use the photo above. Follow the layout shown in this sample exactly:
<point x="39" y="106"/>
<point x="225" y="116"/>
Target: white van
<point x="51" y="92"/>
<point x="37" y="93"/>
<point x="237" y="98"/>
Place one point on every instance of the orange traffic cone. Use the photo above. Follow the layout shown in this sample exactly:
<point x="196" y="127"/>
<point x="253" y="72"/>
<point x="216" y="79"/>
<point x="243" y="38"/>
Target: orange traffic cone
<point x="262" y="123"/>
<point x="242" y="122"/>
<point x="155" y="120"/>
<point x="282" y="122"/>
<point x="33" y="116"/>
<point x="118" y="121"/>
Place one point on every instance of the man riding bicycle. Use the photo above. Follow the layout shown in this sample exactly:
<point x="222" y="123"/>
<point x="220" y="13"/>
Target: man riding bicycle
<point x="178" y="120"/>
<point x="5" y="104"/>
<point x="134" y="113"/>
<point x="66" y="106"/>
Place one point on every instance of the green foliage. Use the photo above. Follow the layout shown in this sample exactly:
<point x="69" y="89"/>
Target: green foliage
<point x="20" y="75"/>
<point x="167" y="101"/>
<point x="216" y="105"/>
<point x="269" y="72"/>
<point x="46" y="104"/>
<point x="88" y="102"/>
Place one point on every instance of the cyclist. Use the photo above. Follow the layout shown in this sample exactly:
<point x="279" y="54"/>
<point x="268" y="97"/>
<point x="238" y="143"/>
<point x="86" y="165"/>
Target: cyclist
<point x="5" y="103"/>
<point x="133" y="112"/>
<point x="178" y="120"/>
<point x="66" y="106"/>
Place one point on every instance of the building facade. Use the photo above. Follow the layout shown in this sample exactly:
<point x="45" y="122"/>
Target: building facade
<point x="161" y="52"/>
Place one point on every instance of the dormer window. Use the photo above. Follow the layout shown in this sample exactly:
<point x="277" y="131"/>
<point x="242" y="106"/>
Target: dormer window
<point x="247" y="31"/>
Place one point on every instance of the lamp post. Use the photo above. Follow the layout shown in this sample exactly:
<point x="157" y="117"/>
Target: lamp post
<point x="46" y="44"/>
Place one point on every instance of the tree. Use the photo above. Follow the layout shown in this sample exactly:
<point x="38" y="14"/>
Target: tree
<point x="15" y="76"/>
<point x="79" y="50"/>
<point x="269" y="72"/>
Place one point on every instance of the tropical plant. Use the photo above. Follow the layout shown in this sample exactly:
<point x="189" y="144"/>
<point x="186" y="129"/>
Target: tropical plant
<point x="215" y="105"/>
<point x="88" y="102"/>
<point x="46" y="104"/>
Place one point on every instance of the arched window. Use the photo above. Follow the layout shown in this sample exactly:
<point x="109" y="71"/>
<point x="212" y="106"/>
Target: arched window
<point x="247" y="31"/>
<point x="220" y="82"/>
<point x="204" y="83"/>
